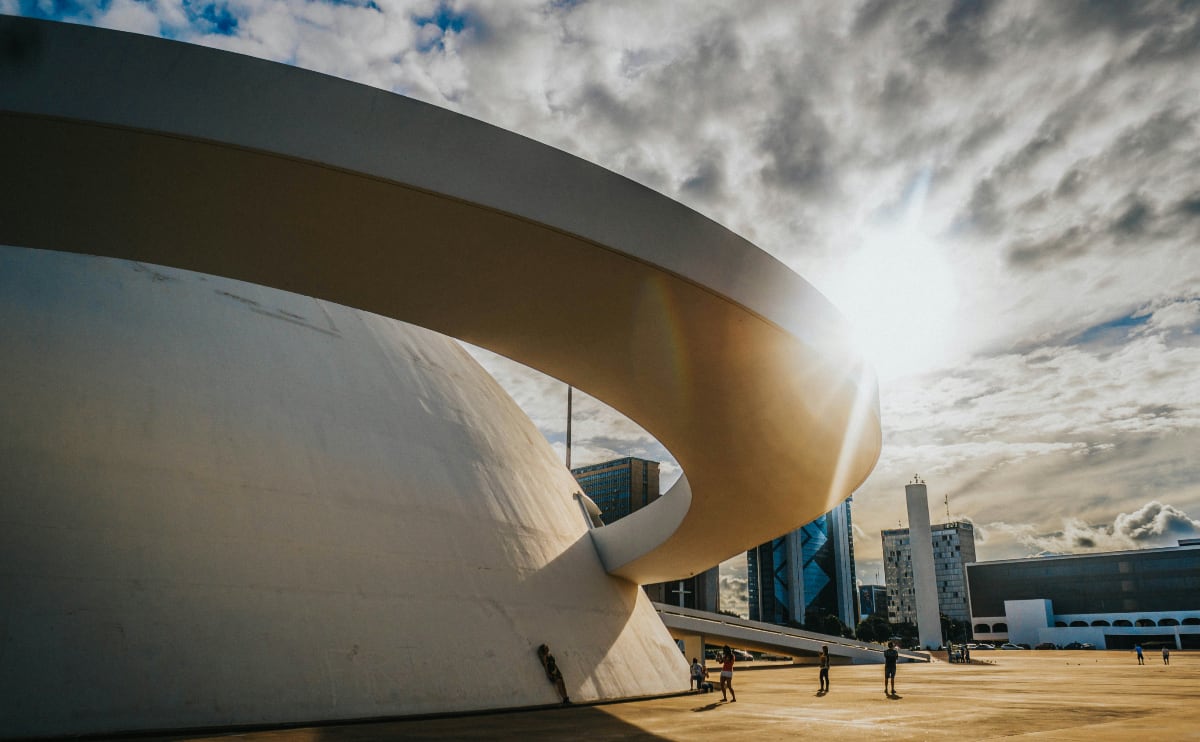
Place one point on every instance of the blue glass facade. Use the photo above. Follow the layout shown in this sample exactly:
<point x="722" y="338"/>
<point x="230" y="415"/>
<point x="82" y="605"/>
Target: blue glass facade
<point x="809" y="570"/>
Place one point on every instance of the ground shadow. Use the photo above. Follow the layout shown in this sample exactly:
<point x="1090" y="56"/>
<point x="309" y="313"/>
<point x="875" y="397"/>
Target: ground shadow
<point x="709" y="707"/>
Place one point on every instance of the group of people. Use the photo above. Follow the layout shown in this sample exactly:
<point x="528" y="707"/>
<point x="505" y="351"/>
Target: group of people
<point x="891" y="656"/>
<point x="1141" y="658"/>
<point x="700" y="673"/>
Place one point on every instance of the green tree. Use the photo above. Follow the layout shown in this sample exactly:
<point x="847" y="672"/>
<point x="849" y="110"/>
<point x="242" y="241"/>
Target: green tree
<point x="874" y="628"/>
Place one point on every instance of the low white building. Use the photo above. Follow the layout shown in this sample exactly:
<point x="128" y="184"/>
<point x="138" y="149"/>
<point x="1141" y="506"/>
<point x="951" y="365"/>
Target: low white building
<point x="1112" y="600"/>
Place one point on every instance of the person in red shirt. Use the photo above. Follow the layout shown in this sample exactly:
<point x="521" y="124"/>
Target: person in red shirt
<point x="727" y="675"/>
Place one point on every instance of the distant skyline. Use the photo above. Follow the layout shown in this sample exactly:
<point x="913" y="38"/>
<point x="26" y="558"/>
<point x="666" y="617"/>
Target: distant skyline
<point x="1002" y="197"/>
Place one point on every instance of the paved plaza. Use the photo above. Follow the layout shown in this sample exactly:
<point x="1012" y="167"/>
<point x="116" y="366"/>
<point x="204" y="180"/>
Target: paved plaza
<point x="1047" y="695"/>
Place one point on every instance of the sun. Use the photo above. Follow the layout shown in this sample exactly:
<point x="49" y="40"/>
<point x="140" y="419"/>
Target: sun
<point x="900" y="294"/>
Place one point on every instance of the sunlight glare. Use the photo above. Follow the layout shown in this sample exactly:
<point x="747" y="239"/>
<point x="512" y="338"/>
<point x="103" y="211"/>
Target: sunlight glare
<point x="899" y="292"/>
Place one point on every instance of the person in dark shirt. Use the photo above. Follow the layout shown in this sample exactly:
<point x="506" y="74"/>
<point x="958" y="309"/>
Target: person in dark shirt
<point x="824" y="678"/>
<point x="553" y="674"/>
<point x="890" y="656"/>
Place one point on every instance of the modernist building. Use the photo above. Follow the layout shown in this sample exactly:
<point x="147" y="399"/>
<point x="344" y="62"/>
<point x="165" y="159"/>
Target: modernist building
<point x="620" y="487"/>
<point x="809" y="570"/>
<point x="247" y="476"/>
<point x="953" y="548"/>
<point x="1112" y="600"/>
<point x="872" y="599"/>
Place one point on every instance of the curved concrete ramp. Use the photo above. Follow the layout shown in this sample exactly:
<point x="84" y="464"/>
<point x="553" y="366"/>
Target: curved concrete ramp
<point x="715" y="628"/>
<point x="132" y="147"/>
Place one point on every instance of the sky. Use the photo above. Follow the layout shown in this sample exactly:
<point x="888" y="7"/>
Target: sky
<point x="1002" y="197"/>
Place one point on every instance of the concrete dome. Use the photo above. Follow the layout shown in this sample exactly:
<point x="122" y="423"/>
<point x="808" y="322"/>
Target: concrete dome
<point x="225" y="504"/>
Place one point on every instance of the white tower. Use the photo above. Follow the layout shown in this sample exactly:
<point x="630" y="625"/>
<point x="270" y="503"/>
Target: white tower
<point x="920" y="539"/>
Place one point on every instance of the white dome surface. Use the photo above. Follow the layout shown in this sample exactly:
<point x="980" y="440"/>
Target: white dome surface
<point x="225" y="504"/>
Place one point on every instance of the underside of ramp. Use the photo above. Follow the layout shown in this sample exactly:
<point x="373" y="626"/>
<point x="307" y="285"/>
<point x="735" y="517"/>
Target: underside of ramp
<point x="717" y="628"/>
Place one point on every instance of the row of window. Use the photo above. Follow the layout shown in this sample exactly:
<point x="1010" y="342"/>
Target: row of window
<point x="1141" y="622"/>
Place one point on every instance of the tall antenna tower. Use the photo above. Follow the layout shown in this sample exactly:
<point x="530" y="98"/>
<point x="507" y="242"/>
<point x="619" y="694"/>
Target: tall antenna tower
<point x="946" y="499"/>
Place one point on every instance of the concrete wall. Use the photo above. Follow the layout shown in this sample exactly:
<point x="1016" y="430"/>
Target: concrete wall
<point x="1026" y="618"/>
<point x="223" y="504"/>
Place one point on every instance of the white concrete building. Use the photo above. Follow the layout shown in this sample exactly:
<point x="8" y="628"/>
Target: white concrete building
<point x="265" y="498"/>
<point x="1111" y="600"/>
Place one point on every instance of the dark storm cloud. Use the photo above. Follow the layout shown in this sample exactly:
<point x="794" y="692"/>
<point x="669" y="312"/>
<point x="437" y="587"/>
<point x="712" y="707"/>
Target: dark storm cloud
<point x="983" y="213"/>
<point x="707" y="181"/>
<point x="796" y="143"/>
<point x="959" y="44"/>
<point x="599" y="104"/>
<point x="872" y="14"/>
<point x="1189" y="206"/>
<point x="1070" y="183"/>
<point x="1118" y="17"/>
<point x="901" y="94"/>
<point x="1153" y="137"/>
<point x="1133" y="219"/>
<point x="1169" y="45"/>
<point x="982" y="131"/>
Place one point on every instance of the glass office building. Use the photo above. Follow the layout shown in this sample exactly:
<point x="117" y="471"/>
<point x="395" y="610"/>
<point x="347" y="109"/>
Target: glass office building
<point x="809" y="570"/>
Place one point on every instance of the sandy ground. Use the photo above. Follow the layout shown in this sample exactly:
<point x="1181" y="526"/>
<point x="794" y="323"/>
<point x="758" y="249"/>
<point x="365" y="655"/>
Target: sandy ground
<point x="1036" y="695"/>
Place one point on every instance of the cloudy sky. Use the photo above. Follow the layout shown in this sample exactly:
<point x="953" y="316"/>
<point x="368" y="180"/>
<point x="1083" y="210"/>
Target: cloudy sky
<point x="1003" y="197"/>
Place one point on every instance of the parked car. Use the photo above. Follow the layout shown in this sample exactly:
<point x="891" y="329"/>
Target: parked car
<point x="1079" y="645"/>
<point x="981" y="645"/>
<point x="1010" y="645"/>
<point x="742" y="655"/>
<point x="1047" y="645"/>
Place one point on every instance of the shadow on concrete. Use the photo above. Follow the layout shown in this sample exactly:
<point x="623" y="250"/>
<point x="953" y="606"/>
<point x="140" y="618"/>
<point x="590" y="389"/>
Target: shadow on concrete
<point x="709" y="707"/>
<point x="543" y="724"/>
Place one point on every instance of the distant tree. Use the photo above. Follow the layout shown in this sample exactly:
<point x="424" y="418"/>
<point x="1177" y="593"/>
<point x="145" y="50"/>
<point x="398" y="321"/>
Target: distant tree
<point x="827" y="623"/>
<point x="905" y="631"/>
<point x="729" y="613"/>
<point x="955" y="631"/>
<point x="873" y="628"/>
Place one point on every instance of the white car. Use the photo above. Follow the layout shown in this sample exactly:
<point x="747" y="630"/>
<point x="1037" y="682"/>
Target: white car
<point x="1010" y="645"/>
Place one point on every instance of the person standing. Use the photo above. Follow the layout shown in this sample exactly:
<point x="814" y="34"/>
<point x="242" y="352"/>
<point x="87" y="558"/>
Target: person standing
<point x="727" y="675"/>
<point x="1166" y="656"/>
<point x="1138" y="648"/>
<point x="890" y="657"/>
<point x="824" y="678"/>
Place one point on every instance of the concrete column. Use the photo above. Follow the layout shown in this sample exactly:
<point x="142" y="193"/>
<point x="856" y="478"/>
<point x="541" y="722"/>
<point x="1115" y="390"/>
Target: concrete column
<point x="693" y="646"/>
<point x="929" y="622"/>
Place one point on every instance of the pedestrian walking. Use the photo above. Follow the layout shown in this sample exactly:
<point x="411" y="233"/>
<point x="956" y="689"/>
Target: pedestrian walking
<point x="727" y="675"/>
<point x="1166" y="656"/>
<point x="824" y="678"/>
<point x="890" y="657"/>
<point x="1138" y="648"/>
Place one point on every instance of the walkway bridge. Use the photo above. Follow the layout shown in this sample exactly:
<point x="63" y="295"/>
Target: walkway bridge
<point x="697" y="628"/>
